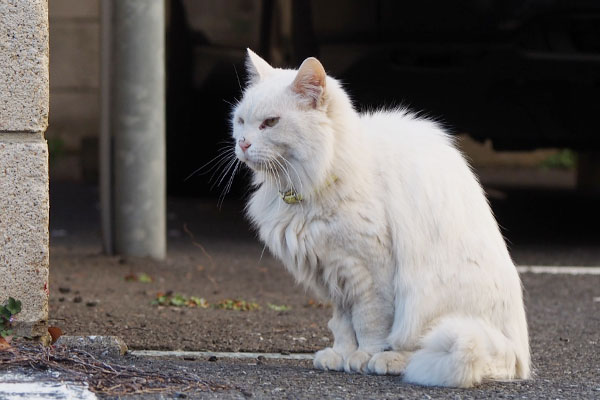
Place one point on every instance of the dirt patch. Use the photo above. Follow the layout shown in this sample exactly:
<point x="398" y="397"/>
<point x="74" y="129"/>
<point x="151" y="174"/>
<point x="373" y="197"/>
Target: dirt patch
<point x="92" y="294"/>
<point x="214" y="255"/>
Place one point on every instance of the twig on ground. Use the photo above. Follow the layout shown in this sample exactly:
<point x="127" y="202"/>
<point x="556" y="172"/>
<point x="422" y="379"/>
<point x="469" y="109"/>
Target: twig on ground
<point x="101" y="376"/>
<point x="195" y="243"/>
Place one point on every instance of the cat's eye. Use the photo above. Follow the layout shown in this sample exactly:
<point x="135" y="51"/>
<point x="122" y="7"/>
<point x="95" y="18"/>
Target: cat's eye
<point x="240" y="120"/>
<point x="269" y="122"/>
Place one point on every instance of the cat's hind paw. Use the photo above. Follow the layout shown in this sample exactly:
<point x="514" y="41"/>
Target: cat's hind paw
<point x="328" y="360"/>
<point x="388" y="363"/>
<point x="357" y="362"/>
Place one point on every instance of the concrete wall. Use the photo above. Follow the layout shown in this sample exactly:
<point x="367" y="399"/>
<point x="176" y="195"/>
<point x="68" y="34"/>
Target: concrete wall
<point x="75" y="71"/>
<point x="24" y="161"/>
<point x="74" y="87"/>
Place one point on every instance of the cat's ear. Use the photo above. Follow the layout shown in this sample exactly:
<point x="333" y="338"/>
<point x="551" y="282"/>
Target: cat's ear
<point x="310" y="81"/>
<point x="257" y="67"/>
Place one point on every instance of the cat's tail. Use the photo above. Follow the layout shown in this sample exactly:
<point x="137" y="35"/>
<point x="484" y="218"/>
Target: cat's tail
<point x="463" y="351"/>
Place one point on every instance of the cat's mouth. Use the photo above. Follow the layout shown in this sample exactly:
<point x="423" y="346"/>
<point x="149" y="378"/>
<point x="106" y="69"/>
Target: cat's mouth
<point x="252" y="164"/>
<point x="262" y="166"/>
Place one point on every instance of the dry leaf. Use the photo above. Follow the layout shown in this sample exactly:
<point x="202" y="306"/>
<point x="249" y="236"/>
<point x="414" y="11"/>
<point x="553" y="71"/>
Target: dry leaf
<point x="4" y="345"/>
<point x="55" y="332"/>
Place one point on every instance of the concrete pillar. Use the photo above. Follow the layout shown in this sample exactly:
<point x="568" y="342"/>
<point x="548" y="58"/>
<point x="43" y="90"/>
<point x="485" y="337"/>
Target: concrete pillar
<point x="137" y="93"/>
<point x="105" y="140"/>
<point x="24" y="161"/>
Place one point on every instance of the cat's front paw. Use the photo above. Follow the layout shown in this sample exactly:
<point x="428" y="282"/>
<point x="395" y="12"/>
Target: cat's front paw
<point x="328" y="360"/>
<point x="357" y="362"/>
<point x="388" y="363"/>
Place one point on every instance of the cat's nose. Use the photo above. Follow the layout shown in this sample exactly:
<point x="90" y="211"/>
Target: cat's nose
<point x="244" y="144"/>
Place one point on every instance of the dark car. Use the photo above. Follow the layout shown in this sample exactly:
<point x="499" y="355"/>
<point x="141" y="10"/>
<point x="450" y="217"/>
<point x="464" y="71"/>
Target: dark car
<point x="523" y="73"/>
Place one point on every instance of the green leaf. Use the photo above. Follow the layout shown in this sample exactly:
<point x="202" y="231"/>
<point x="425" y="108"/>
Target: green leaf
<point x="238" y="305"/>
<point x="199" y="301"/>
<point x="161" y="301"/>
<point x="144" y="278"/>
<point x="179" y="300"/>
<point x="5" y="313"/>
<point x="14" y="306"/>
<point x="282" y="307"/>
<point x="564" y="159"/>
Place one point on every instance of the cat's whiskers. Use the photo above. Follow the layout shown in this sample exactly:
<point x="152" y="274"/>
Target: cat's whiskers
<point x="290" y="180"/>
<point x="295" y="171"/>
<point x="229" y="183"/>
<point x="221" y="165"/>
<point x="226" y="170"/>
<point x="230" y="103"/>
<point x="265" y="178"/>
<point x="262" y="253"/>
<point x="238" y="79"/>
<point x="279" y="166"/>
<point x="223" y="153"/>
<point x="273" y="156"/>
<point x="271" y="176"/>
<point x="221" y="170"/>
<point x="276" y="174"/>
<point x="269" y="171"/>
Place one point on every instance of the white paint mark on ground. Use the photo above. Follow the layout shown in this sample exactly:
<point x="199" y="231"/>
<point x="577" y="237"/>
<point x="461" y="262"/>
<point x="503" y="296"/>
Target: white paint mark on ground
<point x="17" y="386"/>
<point x="207" y="354"/>
<point x="543" y="269"/>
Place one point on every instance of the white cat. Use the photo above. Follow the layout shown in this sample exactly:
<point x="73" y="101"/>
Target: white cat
<point x="381" y="215"/>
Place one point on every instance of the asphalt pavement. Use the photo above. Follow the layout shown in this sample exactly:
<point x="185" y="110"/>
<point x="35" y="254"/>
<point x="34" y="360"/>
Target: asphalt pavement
<point x="564" y="320"/>
<point x="543" y="228"/>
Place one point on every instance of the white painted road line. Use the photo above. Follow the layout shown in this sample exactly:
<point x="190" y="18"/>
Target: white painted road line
<point x="543" y="269"/>
<point x="39" y="386"/>
<point x="205" y="354"/>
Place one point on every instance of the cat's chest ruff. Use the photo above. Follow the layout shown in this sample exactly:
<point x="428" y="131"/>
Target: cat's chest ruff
<point x="294" y="232"/>
<point x="284" y="230"/>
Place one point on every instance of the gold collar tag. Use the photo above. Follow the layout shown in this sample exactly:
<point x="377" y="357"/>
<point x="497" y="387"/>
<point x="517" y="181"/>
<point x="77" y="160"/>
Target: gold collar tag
<point x="291" y="197"/>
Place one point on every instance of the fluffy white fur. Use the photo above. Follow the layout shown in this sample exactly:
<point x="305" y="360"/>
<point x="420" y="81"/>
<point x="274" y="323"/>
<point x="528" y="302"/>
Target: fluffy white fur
<point x="393" y="229"/>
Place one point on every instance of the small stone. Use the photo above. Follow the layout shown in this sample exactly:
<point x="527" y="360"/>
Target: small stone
<point x="61" y="299"/>
<point x="91" y="304"/>
<point x="212" y="358"/>
<point x="112" y="346"/>
<point x="285" y="353"/>
<point x="77" y="299"/>
<point x="64" y="289"/>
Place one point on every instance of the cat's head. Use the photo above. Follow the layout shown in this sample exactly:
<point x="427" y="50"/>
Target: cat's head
<point x="281" y="126"/>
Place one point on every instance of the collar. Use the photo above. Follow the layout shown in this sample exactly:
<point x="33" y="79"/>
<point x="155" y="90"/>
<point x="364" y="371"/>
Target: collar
<point x="293" y="197"/>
